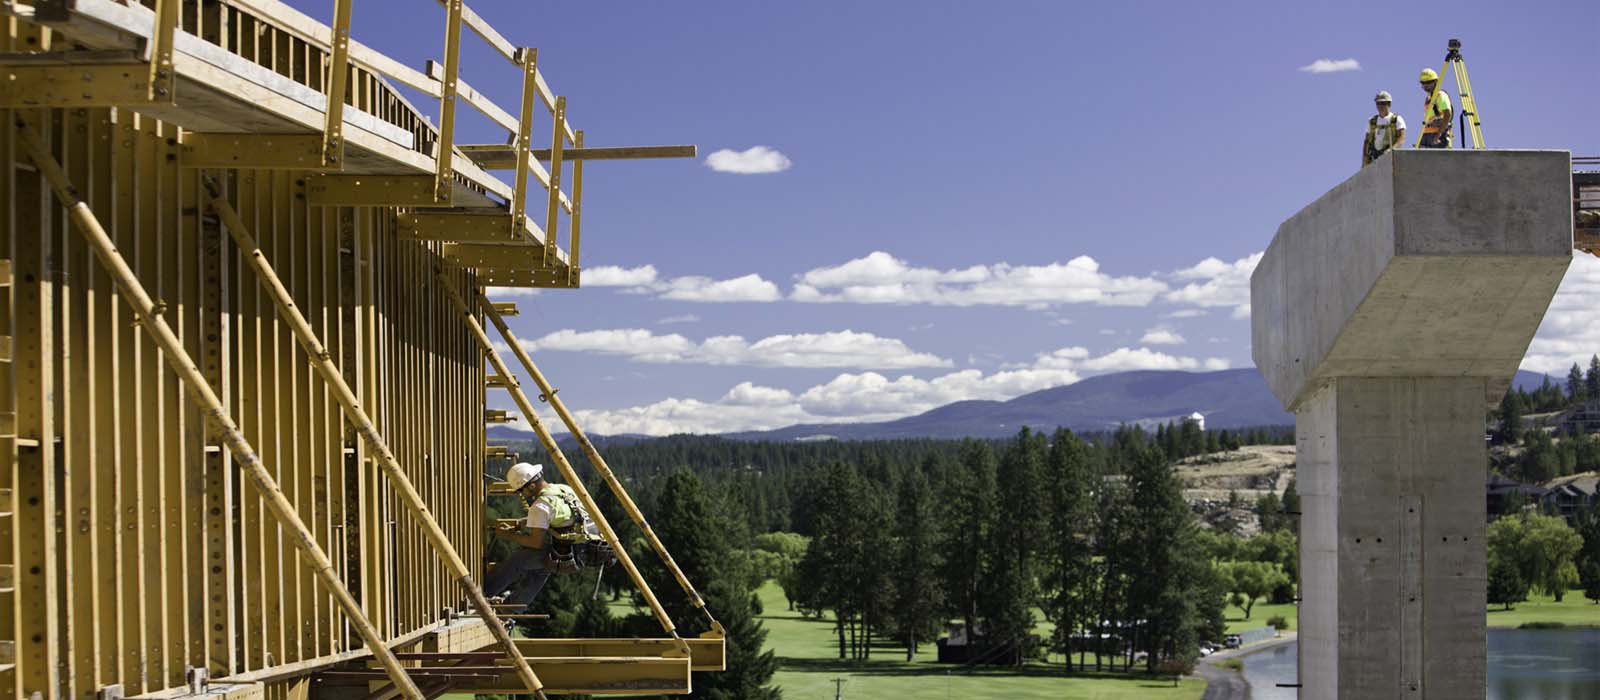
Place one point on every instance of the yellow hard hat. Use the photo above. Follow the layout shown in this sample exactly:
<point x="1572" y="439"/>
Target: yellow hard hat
<point x="1428" y="75"/>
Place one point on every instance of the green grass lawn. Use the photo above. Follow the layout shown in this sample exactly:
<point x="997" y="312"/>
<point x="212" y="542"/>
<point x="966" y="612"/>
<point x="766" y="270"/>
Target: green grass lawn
<point x="1573" y="610"/>
<point x="809" y="654"/>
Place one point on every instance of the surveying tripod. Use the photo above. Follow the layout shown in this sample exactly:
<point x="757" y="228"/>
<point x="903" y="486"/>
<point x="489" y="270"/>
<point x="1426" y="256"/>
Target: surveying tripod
<point x="1469" y="107"/>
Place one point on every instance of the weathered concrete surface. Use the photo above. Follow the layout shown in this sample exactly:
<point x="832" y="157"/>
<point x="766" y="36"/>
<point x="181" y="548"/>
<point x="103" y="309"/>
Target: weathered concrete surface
<point x="1426" y="263"/>
<point x="1385" y="315"/>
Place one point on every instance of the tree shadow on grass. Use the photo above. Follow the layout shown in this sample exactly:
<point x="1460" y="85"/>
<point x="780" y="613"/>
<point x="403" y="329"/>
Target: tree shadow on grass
<point x="897" y="668"/>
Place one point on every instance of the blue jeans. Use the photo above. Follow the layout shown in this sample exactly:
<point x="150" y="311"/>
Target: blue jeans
<point x="520" y="577"/>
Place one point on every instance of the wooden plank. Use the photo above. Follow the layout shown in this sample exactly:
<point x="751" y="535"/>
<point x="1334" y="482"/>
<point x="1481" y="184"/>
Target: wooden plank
<point x="503" y="157"/>
<point x="477" y="100"/>
<point x="145" y="258"/>
<point x="102" y="337"/>
<point x="81" y="605"/>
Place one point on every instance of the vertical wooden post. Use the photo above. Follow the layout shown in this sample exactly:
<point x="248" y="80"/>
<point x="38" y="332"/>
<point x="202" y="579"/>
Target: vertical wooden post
<point x="337" y="79"/>
<point x="577" y="213"/>
<point x="524" y="145"/>
<point x="216" y="337"/>
<point x="552" y="215"/>
<point x="444" y="176"/>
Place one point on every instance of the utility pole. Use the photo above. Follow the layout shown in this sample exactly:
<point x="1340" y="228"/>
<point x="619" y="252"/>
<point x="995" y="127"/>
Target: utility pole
<point x="838" y="688"/>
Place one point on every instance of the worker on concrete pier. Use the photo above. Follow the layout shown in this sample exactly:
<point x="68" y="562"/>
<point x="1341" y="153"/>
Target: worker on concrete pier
<point x="1436" y="113"/>
<point x="557" y="537"/>
<point x="1385" y="130"/>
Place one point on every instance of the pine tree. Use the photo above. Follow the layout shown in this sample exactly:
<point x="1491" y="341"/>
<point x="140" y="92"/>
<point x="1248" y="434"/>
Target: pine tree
<point x="1069" y="573"/>
<point x="968" y="525"/>
<point x="698" y="529"/>
<point x="1588" y="559"/>
<point x="919" y="599"/>
<point x="1576" y="389"/>
<point x="1510" y="416"/>
<point x="1010" y="586"/>
<point x="834" y="557"/>
<point x="1168" y="562"/>
<point x="1591" y="383"/>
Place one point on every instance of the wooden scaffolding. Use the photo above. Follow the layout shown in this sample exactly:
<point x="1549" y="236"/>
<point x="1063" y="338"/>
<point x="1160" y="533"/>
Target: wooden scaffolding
<point x="243" y="398"/>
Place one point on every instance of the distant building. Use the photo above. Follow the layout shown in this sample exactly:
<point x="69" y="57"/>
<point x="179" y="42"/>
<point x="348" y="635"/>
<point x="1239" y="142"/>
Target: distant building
<point x="1199" y="419"/>
<point x="1569" y="495"/>
<point x="1505" y="495"/>
<point x="958" y="647"/>
<point x="1582" y="418"/>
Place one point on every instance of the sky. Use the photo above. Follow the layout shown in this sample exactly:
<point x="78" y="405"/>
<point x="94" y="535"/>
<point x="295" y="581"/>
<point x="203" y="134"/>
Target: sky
<point x="902" y="204"/>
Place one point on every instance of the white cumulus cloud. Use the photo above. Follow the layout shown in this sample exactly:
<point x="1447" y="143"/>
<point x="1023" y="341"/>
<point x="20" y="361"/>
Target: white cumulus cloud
<point x="502" y="292"/>
<point x="705" y="289"/>
<point x="1213" y="282"/>
<point x="681" y="318"/>
<point x="1570" y="332"/>
<point x="755" y="160"/>
<point x="881" y="278"/>
<point x="873" y="396"/>
<point x="838" y="349"/>
<point x="613" y="276"/>
<point x="1329" y="65"/>
<point x="1162" y="336"/>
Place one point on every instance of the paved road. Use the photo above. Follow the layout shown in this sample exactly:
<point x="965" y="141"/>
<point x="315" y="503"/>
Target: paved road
<point x="1226" y="683"/>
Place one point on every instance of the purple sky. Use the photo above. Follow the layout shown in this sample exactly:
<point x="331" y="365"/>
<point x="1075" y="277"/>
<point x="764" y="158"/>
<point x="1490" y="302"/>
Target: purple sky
<point x="963" y="200"/>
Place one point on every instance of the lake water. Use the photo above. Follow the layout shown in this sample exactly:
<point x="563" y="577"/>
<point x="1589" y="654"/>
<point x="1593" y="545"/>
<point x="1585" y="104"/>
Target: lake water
<point x="1561" y="664"/>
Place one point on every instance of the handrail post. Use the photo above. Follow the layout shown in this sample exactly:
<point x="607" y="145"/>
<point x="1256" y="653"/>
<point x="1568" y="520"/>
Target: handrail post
<point x="444" y="175"/>
<point x="148" y="314"/>
<point x="524" y="146"/>
<point x="552" y="215"/>
<point x="162" y="82"/>
<point x="336" y="81"/>
<point x="577" y="212"/>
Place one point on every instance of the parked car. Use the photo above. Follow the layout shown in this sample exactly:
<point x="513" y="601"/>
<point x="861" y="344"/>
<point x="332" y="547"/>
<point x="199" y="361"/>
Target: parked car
<point x="1232" y="641"/>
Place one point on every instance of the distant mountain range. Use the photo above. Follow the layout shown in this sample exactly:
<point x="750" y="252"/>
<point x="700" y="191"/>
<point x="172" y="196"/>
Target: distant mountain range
<point x="1235" y="398"/>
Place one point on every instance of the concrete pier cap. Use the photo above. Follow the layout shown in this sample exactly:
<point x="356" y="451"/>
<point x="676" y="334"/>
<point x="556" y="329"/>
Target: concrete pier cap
<point x="1427" y="263"/>
<point x="1386" y="315"/>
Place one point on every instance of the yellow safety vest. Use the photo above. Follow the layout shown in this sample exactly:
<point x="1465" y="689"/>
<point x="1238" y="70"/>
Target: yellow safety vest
<point x="1431" y="110"/>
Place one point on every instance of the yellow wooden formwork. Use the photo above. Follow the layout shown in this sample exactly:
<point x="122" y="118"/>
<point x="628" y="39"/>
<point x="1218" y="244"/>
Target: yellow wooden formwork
<point x="135" y="558"/>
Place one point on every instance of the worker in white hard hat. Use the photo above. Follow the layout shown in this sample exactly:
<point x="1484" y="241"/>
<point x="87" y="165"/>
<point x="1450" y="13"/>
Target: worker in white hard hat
<point x="1385" y="130"/>
<point x="1436" y="112"/>
<point x="557" y="536"/>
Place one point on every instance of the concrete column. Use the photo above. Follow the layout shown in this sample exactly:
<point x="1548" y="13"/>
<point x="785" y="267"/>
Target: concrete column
<point x="1391" y="474"/>
<point x="1389" y="315"/>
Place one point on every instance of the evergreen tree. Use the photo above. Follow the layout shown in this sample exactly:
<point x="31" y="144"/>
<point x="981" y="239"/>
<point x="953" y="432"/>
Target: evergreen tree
<point x="1510" y="416"/>
<point x="1506" y="585"/>
<point x="1118" y="567"/>
<point x="834" y="557"/>
<point x="919" y="600"/>
<point x="1168" y="563"/>
<point x="1291" y="507"/>
<point x="1069" y="573"/>
<point x="1577" y="390"/>
<point x="1591" y="382"/>
<point x="1588" y="559"/>
<point x="1010" y="586"/>
<point x="968" y="526"/>
<point x="698" y="530"/>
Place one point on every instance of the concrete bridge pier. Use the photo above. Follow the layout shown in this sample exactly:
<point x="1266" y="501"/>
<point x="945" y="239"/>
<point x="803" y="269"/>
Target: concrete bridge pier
<point x="1389" y="315"/>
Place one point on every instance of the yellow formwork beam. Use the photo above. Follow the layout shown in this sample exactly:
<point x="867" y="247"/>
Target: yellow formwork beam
<point x="148" y="314"/>
<point x="323" y="362"/>
<point x="596" y="677"/>
<point x="705" y="655"/>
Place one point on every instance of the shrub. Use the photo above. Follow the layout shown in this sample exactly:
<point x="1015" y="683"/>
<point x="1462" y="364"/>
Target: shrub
<point x="1278" y="622"/>
<point x="1541" y="625"/>
<point x="1234" y="663"/>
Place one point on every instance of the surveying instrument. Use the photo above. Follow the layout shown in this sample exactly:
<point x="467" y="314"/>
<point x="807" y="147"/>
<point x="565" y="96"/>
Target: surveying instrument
<point x="1469" y="107"/>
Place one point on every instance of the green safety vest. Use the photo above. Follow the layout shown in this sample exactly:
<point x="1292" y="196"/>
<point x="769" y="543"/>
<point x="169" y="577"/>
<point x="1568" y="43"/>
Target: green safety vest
<point x="568" y="520"/>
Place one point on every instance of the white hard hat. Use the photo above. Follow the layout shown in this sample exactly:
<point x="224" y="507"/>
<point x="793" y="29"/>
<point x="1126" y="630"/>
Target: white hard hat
<point x="521" y="473"/>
